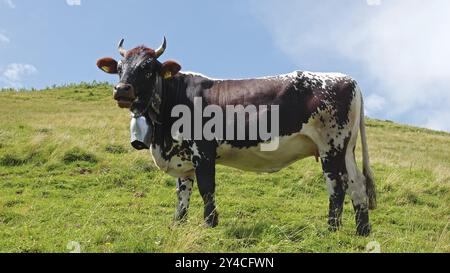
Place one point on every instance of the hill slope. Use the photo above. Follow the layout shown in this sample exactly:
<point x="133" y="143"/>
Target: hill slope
<point x="68" y="173"/>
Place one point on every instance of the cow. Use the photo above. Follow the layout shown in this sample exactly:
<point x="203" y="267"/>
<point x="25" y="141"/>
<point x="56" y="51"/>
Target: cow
<point x="320" y="115"/>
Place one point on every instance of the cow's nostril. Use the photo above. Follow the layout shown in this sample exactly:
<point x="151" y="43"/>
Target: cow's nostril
<point x="124" y="93"/>
<point x="122" y="87"/>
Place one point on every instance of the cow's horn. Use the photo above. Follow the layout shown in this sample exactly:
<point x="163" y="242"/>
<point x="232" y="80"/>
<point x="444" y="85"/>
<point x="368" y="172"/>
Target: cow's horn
<point x="161" y="49"/>
<point x="122" y="50"/>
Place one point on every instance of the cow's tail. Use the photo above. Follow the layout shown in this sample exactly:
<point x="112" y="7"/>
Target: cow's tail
<point x="367" y="171"/>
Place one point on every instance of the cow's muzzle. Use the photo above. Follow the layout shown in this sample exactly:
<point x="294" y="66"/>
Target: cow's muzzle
<point x="124" y="95"/>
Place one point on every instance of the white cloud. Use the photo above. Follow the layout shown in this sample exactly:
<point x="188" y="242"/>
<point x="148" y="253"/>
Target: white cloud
<point x="373" y="2"/>
<point x="402" y="48"/>
<point x="374" y="104"/>
<point x="13" y="75"/>
<point x="73" y="2"/>
<point x="9" y="3"/>
<point x="4" y="39"/>
<point x="440" y="121"/>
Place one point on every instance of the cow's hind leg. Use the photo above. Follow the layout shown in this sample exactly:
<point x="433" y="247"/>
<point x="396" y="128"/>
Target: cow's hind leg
<point x="333" y="165"/>
<point x="357" y="191"/>
<point x="184" y="191"/>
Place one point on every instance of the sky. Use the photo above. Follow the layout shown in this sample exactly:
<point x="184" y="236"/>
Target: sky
<point x="398" y="50"/>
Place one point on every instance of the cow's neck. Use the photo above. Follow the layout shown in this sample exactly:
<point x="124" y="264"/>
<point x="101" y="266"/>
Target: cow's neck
<point x="172" y="93"/>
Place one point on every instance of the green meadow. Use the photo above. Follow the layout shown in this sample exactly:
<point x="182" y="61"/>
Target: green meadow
<point x="69" y="174"/>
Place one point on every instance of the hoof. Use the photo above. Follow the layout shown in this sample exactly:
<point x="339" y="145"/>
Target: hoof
<point x="363" y="230"/>
<point x="181" y="216"/>
<point x="212" y="220"/>
<point x="334" y="225"/>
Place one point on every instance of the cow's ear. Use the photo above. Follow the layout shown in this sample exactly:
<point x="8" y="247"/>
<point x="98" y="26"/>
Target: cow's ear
<point x="108" y="65"/>
<point x="170" y="69"/>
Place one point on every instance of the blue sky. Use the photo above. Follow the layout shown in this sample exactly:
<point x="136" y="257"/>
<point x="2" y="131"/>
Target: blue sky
<point x="398" y="50"/>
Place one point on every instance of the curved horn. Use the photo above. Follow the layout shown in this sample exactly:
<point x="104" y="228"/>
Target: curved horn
<point x="161" y="49"/>
<point x="122" y="50"/>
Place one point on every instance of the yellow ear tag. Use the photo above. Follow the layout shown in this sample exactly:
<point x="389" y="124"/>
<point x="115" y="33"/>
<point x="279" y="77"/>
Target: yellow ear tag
<point x="167" y="75"/>
<point x="105" y="68"/>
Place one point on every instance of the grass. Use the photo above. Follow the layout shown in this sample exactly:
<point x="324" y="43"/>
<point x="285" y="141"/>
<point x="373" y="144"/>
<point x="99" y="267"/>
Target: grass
<point x="68" y="173"/>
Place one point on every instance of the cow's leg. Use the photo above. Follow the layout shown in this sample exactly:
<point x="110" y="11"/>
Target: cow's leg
<point x="333" y="165"/>
<point x="184" y="191"/>
<point x="205" y="171"/>
<point x="357" y="191"/>
<point x="207" y="186"/>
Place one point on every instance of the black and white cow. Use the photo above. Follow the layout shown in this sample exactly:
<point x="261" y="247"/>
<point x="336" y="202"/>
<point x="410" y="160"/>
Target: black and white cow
<point x="320" y="114"/>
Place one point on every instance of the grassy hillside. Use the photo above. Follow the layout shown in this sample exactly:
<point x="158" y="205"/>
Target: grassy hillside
<point x="68" y="173"/>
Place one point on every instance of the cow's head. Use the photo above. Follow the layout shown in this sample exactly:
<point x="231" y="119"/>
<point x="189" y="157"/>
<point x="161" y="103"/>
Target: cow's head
<point x="139" y="72"/>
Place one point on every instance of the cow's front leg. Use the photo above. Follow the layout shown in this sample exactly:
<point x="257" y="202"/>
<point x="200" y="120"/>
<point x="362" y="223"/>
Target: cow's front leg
<point x="207" y="185"/>
<point x="184" y="191"/>
<point x="205" y="171"/>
